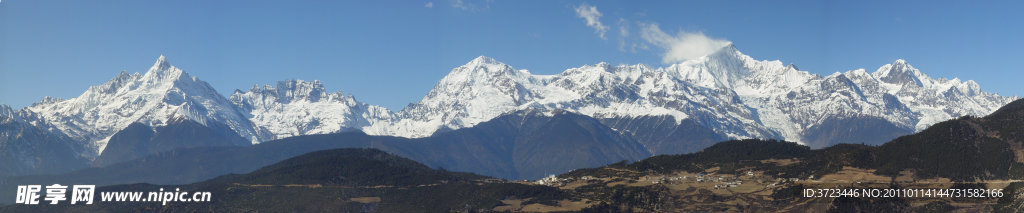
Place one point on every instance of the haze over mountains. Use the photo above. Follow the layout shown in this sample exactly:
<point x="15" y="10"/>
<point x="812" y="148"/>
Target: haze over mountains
<point x="668" y="110"/>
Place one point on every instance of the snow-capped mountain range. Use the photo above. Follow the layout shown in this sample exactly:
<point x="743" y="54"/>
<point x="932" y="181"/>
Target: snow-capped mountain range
<point x="726" y="92"/>
<point x="162" y="94"/>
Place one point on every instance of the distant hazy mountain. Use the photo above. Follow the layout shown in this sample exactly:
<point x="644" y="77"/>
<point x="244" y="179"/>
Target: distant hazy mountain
<point x="523" y="145"/>
<point x="30" y="147"/>
<point x="138" y="140"/>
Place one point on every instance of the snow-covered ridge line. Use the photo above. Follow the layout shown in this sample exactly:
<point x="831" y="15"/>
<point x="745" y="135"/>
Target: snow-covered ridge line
<point x="297" y="107"/>
<point x="726" y="91"/>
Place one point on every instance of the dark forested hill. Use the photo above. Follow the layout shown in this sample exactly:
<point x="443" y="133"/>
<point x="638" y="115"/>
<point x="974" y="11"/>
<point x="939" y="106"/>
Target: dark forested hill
<point x="338" y="180"/>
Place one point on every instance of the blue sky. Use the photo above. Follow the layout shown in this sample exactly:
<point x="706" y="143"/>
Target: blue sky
<point x="391" y="53"/>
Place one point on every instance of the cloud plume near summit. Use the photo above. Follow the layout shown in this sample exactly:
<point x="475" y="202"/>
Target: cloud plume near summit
<point x="680" y="47"/>
<point x="684" y="45"/>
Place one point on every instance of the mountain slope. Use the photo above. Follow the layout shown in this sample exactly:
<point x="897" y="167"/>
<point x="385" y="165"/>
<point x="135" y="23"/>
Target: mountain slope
<point x="138" y="140"/>
<point x="523" y="145"/>
<point x="967" y="148"/>
<point x="348" y="167"/>
<point x="27" y="149"/>
<point x="164" y="93"/>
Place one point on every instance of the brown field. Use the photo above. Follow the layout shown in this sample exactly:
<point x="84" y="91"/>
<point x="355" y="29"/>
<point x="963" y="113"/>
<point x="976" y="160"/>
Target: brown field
<point x="751" y="191"/>
<point x="365" y="199"/>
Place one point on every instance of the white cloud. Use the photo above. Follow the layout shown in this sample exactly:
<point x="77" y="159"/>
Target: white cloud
<point x="641" y="36"/>
<point x="623" y="27"/>
<point x="472" y="5"/>
<point x="592" y="17"/>
<point x="626" y="44"/>
<point x="429" y="5"/>
<point x="460" y="5"/>
<point x="683" y="46"/>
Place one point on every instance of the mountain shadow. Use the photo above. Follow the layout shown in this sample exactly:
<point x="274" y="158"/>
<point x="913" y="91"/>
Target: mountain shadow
<point x="139" y="140"/>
